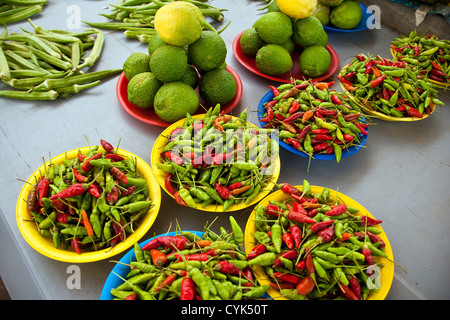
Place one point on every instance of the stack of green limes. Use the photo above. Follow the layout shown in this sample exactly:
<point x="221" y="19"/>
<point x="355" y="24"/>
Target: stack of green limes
<point x="341" y="14"/>
<point x="273" y="38"/>
<point x="167" y="77"/>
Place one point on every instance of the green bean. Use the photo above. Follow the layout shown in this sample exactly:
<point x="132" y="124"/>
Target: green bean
<point x="79" y="79"/>
<point x="19" y="16"/>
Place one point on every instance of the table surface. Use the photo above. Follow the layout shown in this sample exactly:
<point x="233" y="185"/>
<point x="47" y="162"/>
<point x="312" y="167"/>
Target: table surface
<point x="401" y="176"/>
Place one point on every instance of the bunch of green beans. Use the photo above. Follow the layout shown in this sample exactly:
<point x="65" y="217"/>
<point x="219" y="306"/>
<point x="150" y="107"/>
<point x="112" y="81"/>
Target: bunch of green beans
<point x="135" y="17"/>
<point x="47" y="64"/>
<point x="17" y="10"/>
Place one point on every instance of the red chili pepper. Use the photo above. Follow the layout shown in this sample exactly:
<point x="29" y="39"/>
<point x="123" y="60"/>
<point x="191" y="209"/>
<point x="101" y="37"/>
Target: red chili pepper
<point x="220" y="158"/>
<point x="337" y="210"/>
<point x="247" y="273"/>
<point x="416" y="51"/>
<point x="343" y="80"/>
<point x="187" y="291"/>
<point x="107" y="146"/>
<point x="72" y="191"/>
<point x="179" y="200"/>
<point x="297" y="207"/>
<point x="301" y="265"/>
<point x="42" y="189"/>
<point x="352" y="116"/>
<point x="175" y="242"/>
<point x="361" y="128"/>
<point x="75" y="245"/>
<point x="297" y="145"/>
<point x="113" y="196"/>
<point x="288" y="240"/>
<point x="360" y="57"/>
<point x="327" y="112"/>
<point x="304" y="132"/>
<point x="335" y="99"/>
<point x="227" y="267"/>
<point x="306" y="286"/>
<point x="316" y="227"/>
<point x="293" y="117"/>
<point x="320" y="146"/>
<point x="62" y="217"/>
<point x="81" y="157"/>
<point x="369" y="221"/>
<point x="369" y="67"/>
<point x="275" y="91"/>
<point x="347" y="137"/>
<point x="132" y="296"/>
<point x="93" y="190"/>
<point x="296" y="233"/>
<point x="355" y="286"/>
<point x="235" y="185"/>
<point x="274" y="210"/>
<point x="168" y="183"/>
<point x="118" y="230"/>
<point x="347" y="292"/>
<point x="114" y="157"/>
<point x="345" y="236"/>
<point x="435" y="65"/>
<point x="86" y="166"/>
<point x="377" y="81"/>
<point x="326" y="234"/>
<point x="291" y="278"/>
<point x="299" y="217"/>
<point x="198" y="125"/>
<point x="79" y="177"/>
<point x="223" y="191"/>
<point x="128" y="191"/>
<point x="374" y="239"/>
<point x="290" y="255"/>
<point x="289" y="189"/>
<point x="174" y="157"/>
<point x="320" y="131"/>
<point x="116" y="173"/>
<point x="325" y="137"/>
<point x="256" y="251"/>
<point x="32" y="201"/>
<point x="367" y="255"/>
<point x="294" y="107"/>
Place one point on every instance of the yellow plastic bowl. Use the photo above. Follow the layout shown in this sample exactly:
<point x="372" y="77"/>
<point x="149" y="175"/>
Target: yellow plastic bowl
<point x="433" y="82"/>
<point x="161" y="142"/>
<point x="377" y="114"/>
<point x="45" y="246"/>
<point x="386" y="273"/>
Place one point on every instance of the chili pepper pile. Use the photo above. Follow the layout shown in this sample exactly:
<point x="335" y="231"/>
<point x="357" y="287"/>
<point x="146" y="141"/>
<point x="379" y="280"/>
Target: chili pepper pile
<point x="18" y="10"/>
<point x="217" y="160"/>
<point x="47" y="64"/>
<point x="188" y="267"/>
<point x="390" y="87"/>
<point x="90" y="202"/>
<point x="429" y="54"/>
<point x="314" y="246"/>
<point x="136" y="17"/>
<point x="314" y="119"/>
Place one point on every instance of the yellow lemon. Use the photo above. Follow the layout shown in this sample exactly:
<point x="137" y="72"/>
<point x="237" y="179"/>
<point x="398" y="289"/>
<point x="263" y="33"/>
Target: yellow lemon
<point x="297" y="9"/>
<point x="180" y="23"/>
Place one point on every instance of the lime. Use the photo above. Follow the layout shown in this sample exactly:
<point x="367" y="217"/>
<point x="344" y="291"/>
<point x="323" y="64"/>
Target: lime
<point x="174" y="100"/>
<point x="289" y="45"/>
<point x="273" y="59"/>
<point x="180" y="23"/>
<point x="273" y="6"/>
<point x="168" y="63"/>
<point x="322" y="13"/>
<point x="274" y="27"/>
<point x="314" y="61"/>
<point x="217" y="87"/>
<point x="297" y="9"/>
<point x="347" y="15"/>
<point x="330" y="3"/>
<point x="323" y="39"/>
<point x="251" y="42"/>
<point x="208" y="52"/>
<point x="136" y="63"/>
<point x="307" y="31"/>
<point x="142" y="89"/>
<point x="190" y="77"/>
<point x="154" y="43"/>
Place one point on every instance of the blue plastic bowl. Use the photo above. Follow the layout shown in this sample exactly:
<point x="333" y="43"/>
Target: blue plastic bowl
<point x="362" y="25"/>
<point x="345" y="152"/>
<point x="113" y="281"/>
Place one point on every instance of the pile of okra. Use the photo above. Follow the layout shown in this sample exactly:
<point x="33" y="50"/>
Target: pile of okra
<point x="217" y="160"/>
<point x="313" y="246"/>
<point x="90" y="202"/>
<point x="50" y="64"/>
<point x="186" y="266"/>
<point x="313" y="119"/>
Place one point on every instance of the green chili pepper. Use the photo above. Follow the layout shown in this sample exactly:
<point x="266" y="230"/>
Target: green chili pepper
<point x="238" y="234"/>
<point x="264" y="259"/>
<point x="276" y="236"/>
<point x="320" y="271"/>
